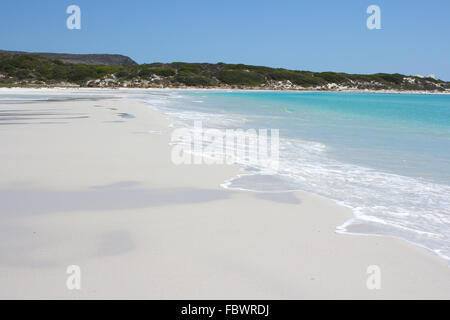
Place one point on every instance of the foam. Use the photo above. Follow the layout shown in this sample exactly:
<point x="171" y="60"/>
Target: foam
<point x="383" y="203"/>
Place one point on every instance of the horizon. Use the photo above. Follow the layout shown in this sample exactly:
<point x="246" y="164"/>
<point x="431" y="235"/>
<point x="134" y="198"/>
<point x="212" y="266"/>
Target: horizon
<point x="292" y="35"/>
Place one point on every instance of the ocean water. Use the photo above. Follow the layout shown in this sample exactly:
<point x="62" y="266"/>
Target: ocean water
<point x="385" y="156"/>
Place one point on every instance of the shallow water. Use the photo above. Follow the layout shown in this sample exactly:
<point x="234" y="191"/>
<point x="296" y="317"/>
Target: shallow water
<point x="386" y="156"/>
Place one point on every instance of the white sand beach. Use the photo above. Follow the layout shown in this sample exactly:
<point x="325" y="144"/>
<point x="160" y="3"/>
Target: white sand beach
<point x="91" y="183"/>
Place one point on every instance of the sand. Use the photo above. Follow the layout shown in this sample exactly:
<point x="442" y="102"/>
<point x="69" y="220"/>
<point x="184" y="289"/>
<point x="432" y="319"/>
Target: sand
<point x="82" y="184"/>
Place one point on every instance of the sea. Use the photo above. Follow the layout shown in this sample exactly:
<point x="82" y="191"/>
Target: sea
<point x="384" y="156"/>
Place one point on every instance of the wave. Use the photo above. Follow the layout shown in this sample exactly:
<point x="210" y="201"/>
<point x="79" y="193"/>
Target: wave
<point x="383" y="203"/>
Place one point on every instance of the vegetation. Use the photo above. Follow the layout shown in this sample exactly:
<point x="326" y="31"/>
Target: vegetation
<point x="34" y="69"/>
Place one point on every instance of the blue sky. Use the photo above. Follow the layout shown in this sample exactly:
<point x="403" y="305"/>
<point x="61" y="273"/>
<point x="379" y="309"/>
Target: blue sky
<point x="311" y="35"/>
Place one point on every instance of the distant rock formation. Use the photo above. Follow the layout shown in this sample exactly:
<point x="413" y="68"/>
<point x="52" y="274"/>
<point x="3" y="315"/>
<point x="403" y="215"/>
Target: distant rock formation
<point x="89" y="59"/>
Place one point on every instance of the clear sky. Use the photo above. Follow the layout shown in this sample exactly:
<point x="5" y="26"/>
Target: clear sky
<point x="316" y="35"/>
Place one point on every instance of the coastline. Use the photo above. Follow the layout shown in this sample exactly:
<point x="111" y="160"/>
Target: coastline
<point x="189" y="239"/>
<point x="231" y="89"/>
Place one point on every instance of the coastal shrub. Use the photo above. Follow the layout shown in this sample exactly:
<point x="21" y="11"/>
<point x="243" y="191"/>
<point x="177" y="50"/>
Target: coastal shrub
<point x="280" y="74"/>
<point x="163" y="72"/>
<point x="240" y="77"/>
<point x="390" y="78"/>
<point x="21" y="74"/>
<point x="128" y="72"/>
<point x="195" y="81"/>
<point x="25" y="61"/>
<point x="154" y="65"/>
<point x="81" y="72"/>
<point x="104" y="69"/>
<point x="187" y="68"/>
<point x="121" y="74"/>
<point x="333" y="77"/>
<point x="145" y="73"/>
<point x="236" y="67"/>
<point x="307" y="79"/>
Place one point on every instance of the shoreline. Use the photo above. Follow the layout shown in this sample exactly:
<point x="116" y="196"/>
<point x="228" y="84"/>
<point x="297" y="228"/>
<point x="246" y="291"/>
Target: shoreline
<point x="256" y="89"/>
<point x="213" y="243"/>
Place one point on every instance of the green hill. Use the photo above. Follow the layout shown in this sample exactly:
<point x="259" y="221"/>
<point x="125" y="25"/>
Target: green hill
<point x="37" y="70"/>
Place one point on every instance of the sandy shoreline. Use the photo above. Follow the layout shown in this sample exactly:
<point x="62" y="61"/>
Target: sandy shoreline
<point x="83" y="185"/>
<point x="31" y="89"/>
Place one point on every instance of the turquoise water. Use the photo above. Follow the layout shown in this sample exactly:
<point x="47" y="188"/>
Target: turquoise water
<point x="386" y="156"/>
<point x="404" y="134"/>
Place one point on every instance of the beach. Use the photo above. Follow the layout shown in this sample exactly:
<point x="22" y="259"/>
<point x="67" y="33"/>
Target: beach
<point x="90" y="182"/>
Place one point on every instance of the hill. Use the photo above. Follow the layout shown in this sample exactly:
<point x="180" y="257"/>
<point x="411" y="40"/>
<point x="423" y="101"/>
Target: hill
<point x="46" y="70"/>
<point x="88" y="59"/>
